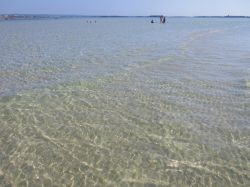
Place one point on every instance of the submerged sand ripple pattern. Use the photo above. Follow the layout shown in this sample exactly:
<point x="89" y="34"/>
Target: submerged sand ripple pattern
<point x="87" y="134"/>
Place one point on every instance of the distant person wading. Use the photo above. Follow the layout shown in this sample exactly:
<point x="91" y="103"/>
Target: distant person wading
<point x="162" y="19"/>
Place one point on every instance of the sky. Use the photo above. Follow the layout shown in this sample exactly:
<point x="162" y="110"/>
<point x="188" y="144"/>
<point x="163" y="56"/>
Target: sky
<point x="127" y="7"/>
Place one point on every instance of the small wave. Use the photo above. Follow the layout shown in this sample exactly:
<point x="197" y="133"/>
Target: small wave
<point x="197" y="35"/>
<point x="248" y="84"/>
<point x="153" y="62"/>
<point x="200" y="34"/>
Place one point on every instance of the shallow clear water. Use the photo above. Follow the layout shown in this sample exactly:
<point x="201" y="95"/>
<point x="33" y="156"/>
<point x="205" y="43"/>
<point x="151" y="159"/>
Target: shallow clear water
<point x="123" y="102"/>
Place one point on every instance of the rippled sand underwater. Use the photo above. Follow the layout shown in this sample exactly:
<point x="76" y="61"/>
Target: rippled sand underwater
<point x="172" y="120"/>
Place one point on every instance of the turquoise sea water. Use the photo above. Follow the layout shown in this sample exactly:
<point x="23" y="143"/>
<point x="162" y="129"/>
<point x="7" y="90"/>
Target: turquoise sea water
<point x="122" y="102"/>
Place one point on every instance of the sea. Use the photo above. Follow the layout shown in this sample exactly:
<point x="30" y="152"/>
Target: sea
<point x="121" y="102"/>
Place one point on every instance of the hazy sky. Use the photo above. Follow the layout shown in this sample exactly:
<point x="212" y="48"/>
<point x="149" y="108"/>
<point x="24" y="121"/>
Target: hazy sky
<point x="127" y="7"/>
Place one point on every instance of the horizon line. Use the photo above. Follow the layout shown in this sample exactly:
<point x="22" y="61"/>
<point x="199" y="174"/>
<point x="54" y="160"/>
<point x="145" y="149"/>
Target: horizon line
<point x="114" y="15"/>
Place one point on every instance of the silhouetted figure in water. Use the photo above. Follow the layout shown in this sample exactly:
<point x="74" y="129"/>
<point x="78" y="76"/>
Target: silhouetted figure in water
<point x="152" y="21"/>
<point x="162" y="19"/>
<point x="90" y="21"/>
